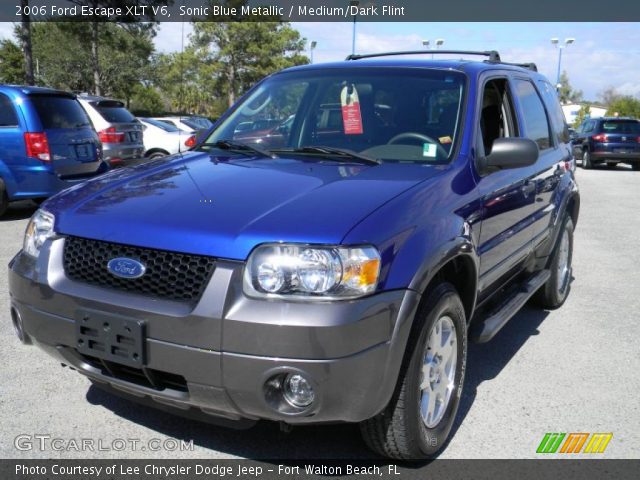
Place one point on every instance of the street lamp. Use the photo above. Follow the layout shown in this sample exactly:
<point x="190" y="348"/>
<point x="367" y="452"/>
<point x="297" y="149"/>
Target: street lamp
<point x="426" y="43"/>
<point x="354" y="3"/>
<point x="561" y="46"/>
<point x="312" y="47"/>
<point x="439" y="42"/>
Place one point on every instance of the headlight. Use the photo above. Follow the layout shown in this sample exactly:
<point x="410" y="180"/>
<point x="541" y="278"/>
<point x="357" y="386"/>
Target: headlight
<point x="302" y="270"/>
<point x="40" y="228"/>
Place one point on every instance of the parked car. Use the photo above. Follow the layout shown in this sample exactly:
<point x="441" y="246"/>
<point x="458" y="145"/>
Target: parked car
<point x="46" y="144"/>
<point x="119" y="131"/>
<point x="203" y="122"/>
<point x="184" y="123"/>
<point x="609" y="140"/>
<point x="161" y="139"/>
<point x="347" y="270"/>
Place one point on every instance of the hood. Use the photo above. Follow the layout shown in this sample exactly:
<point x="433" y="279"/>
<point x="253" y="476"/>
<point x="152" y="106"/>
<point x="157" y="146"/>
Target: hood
<point x="225" y="206"/>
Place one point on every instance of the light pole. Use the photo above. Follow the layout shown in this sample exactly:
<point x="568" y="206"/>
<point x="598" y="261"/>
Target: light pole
<point x="425" y="44"/>
<point x="439" y="42"/>
<point x="556" y="42"/>
<point x="312" y="47"/>
<point x="354" y="3"/>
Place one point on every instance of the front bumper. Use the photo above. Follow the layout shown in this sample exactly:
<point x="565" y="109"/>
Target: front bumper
<point x="216" y="355"/>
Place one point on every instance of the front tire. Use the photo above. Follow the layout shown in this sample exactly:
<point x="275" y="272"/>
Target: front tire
<point x="586" y="160"/>
<point x="417" y="421"/>
<point x="555" y="291"/>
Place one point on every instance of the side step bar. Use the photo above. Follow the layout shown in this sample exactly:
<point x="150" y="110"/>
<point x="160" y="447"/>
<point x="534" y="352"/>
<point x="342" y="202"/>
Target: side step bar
<point x="484" y="330"/>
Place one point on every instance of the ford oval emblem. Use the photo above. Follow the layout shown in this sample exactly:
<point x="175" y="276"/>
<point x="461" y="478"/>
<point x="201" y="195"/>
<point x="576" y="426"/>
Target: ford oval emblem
<point x="126" y="267"/>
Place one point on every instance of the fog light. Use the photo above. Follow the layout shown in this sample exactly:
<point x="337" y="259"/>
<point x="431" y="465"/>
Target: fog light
<point x="298" y="390"/>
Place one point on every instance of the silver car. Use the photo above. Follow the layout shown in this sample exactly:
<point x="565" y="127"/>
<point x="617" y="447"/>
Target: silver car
<point x="119" y="131"/>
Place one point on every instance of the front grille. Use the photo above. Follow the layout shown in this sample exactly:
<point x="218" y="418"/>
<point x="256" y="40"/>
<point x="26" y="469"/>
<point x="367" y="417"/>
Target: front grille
<point x="169" y="275"/>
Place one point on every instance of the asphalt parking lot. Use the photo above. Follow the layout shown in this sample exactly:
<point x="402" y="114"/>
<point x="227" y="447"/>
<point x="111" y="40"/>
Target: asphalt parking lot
<point x="570" y="370"/>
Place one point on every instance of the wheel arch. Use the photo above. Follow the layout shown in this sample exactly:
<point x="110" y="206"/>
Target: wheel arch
<point x="151" y="151"/>
<point x="458" y="266"/>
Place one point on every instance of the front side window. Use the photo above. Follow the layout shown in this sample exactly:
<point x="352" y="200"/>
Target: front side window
<point x="533" y="113"/>
<point x="410" y="115"/>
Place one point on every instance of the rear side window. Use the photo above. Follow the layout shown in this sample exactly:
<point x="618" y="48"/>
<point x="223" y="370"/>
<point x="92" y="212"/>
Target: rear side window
<point x="8" y="116"/>
<point x="550" y="97"/>
<point x="113" y="111"/>
<point x="621" y="126"/>
<point x="535" y="117"/>
<point x="59" y="112"/>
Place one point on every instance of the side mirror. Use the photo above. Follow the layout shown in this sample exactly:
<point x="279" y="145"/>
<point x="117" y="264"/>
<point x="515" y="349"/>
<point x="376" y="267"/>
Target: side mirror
<point x="511" y="153"/>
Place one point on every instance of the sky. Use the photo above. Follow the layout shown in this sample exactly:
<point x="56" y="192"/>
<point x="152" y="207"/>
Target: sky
<point x="603" y="55"/>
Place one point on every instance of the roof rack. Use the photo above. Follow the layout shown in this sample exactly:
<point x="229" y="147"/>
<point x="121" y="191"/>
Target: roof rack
<point x="529" y="66"/>
<point x="493" y="55"/>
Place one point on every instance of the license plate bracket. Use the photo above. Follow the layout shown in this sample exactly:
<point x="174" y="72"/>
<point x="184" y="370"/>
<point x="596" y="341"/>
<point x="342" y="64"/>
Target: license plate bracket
<point x="111" y="337"/>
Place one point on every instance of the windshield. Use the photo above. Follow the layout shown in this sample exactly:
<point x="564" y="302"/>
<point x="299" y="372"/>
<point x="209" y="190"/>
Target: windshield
<point x="389" y="115"/>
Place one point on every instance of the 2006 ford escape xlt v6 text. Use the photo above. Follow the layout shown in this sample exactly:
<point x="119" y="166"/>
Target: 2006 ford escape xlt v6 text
<point x="329" y="270"/>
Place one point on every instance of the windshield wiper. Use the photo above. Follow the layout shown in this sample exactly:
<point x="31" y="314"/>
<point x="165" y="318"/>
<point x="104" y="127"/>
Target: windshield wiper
<point x="240" y="147"/>
<point x="340" y="153"/>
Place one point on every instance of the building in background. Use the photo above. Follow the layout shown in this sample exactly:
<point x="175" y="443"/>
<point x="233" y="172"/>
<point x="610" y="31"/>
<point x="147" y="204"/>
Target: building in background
<point x="571" y="111"/>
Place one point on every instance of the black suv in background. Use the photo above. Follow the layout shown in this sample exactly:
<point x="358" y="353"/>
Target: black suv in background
<point x="608" y="139"/>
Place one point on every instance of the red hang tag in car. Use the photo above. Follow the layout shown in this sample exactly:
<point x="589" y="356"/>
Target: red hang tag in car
<point x="351" y="117"/>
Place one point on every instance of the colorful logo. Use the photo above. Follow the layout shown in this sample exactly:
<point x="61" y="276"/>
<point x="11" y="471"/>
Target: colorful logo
<point x="573" y="442"/>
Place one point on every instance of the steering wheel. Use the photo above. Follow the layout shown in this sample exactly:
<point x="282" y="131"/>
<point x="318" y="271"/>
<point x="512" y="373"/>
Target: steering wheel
<point x="417" y="136"/>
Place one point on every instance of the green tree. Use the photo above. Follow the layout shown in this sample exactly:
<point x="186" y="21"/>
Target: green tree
<point x="608" y="96"/>
<point x="624" y="106"/>
<point x="125" y="57"/>
<point x="584" y="112"/>
<point x="245" y="52"/>
<point x="146" y="101"/>
<point x="11" y="63"/>
<point x="188" y="82"/>
<point x="566" y="92"/>
<point x="91" y="33"/>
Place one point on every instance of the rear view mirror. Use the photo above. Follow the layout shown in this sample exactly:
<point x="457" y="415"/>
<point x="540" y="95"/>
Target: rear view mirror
<point x="511" y="153"/>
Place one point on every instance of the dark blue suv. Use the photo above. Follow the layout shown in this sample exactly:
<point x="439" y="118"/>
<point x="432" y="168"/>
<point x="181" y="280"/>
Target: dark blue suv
<point x="330" y="269"/>
<point x="609" y="140"/>
<point x="47" y="143"/>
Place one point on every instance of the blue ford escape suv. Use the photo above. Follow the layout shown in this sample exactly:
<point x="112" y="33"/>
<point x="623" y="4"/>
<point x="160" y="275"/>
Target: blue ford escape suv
<point x="47" y="143"/>
<point x="330" y="270"/>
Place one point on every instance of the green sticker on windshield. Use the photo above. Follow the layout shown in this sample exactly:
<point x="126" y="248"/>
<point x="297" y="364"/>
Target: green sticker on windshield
<point x="429" y="150"/>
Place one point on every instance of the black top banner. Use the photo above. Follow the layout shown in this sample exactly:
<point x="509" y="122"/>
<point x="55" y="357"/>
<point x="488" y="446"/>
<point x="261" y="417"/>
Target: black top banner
<point x="324" y="10"/>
